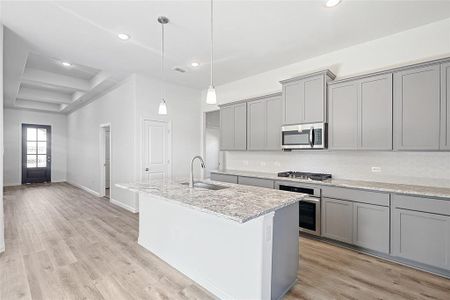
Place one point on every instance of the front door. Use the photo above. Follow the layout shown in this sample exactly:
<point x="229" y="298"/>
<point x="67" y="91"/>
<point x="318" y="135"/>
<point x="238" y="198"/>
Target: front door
<point x="36" y="153"/>
<point x="156" y="162"/>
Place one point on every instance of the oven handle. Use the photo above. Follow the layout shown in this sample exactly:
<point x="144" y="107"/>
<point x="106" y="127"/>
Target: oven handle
<point x="311" y="200"/>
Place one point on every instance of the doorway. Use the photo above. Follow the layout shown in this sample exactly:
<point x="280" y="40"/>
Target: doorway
<point x="36" y="153"/>
<point x="212" y="142"/>
<point x="156" y="150"/>
<point x="105" y="160"/>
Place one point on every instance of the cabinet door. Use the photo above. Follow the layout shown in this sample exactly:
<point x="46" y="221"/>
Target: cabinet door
<point x="376" y="112"/>
<point x="422" y="237"/>
<point x="314" y="99"/>
<point x="256" y="120"/>
<point x="227" y="127"/>
<point x="240" y="126"/>
<point x="273" y="123"/>
<point x="445" y="106"/>
<point x="337" y="219"/>
<point x="293" y="103"/>
<point x="417" y="108"/>
<point x="343" y="125"/>
<point x="371" y="226"/>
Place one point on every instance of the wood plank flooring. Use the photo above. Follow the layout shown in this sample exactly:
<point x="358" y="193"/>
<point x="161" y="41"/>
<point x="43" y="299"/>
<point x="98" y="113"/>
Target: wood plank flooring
<point x="63" y="243"/>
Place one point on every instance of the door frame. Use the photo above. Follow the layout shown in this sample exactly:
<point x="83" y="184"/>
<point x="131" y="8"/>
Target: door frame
<point x="24" y="150"/>
<point x="141" y="147"/>
<point x="102" y="149"/>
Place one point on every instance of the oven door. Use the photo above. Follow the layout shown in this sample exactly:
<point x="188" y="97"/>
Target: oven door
<point x="309" y="215"/>
<point x="296" y="137"/>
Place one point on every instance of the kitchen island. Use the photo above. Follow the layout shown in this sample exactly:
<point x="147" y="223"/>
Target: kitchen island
<point x="238" y="242"/>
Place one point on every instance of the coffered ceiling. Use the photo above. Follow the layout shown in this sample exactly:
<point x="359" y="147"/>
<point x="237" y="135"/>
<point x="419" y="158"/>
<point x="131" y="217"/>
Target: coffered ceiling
<point x="250" y="37"/>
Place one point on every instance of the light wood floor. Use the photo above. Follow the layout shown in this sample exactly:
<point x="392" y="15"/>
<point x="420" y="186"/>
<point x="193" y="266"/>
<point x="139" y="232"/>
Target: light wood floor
<point x="63" y="243"/>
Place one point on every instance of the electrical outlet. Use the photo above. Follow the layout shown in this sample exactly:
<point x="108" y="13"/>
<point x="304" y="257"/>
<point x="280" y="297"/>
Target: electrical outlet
<point x="263" y="164"/>
<point x="376" y="169"/>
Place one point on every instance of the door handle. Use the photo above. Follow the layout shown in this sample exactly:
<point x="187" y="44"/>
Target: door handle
<point x="311" y="137"/>
<point x="147" y="169"/>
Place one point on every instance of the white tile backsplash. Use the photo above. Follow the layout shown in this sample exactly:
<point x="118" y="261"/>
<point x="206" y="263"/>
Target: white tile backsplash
<point x="421" y="168"/>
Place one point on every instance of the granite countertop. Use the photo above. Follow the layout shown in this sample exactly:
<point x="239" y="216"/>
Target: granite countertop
<point x="239" y="203"/>
<point x="415" y="190"/>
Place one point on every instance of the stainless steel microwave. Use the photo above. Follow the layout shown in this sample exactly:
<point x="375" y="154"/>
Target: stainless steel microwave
<point x="304" y="136"/>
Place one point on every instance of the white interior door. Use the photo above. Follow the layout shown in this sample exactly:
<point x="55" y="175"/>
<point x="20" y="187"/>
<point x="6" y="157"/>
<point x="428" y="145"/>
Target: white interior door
<point x="156" y="158"/>
<point x="107" y="158"/>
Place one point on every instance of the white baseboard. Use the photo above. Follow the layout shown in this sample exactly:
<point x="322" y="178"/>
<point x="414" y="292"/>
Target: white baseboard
<point x="92" y="192"/>
<point x="124" y="206"/>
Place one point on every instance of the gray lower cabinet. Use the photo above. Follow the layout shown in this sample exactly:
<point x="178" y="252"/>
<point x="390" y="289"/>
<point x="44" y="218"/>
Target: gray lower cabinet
<point x="360" y="114"/>
<point x="304" y="98"/>
<point x="417" y="104"/>
<point x="261" y="182"/>
<point x="264" y="123"/>
<point x="224" y="178"/>
<point x="445" y="106"/>
<point x="421" y="230"/>
<point x="371" y="226"/>
<point x="357" y="217"/>
<point x="337" y="219"/>
<point x="233" y="127"/>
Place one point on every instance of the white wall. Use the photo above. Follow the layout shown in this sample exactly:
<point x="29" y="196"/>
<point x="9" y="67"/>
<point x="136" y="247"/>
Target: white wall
<point x="420" y="44"/>
<point x="118" y="108"/>
<point x="184" y="113"/>
<point x="12" y="122"/>
<point x="2" y="237"/>
<point x="415" y="45"/>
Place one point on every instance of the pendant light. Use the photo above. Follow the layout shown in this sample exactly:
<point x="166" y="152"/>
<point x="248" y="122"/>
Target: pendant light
<point x="162" y="110"/>
<point x="211" y="94"/>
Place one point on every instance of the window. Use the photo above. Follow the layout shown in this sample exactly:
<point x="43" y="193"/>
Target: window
<point x="36" y="147"/>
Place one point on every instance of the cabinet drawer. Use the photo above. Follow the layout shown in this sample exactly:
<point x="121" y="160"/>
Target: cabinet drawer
<point x="356" y="195"/>
<point x="429" y="205"/>
<point x="224" y="178"/>
<point x="267" y="183"/>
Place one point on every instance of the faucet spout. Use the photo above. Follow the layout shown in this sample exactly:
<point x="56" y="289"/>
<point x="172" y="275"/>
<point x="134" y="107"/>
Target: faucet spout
<point x="191" y="174"/>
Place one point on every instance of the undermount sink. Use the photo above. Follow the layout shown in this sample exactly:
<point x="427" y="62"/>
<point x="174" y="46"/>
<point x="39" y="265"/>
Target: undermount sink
<point x="207" y="186"/>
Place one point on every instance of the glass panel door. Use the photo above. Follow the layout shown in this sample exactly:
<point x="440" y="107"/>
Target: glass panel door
<point x="36" y="153"/>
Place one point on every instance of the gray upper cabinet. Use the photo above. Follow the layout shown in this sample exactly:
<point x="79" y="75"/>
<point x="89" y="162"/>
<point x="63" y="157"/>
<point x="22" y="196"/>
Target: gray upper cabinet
<point x="417" y="108"/>
<point x="304" y="98"/>
<point x="360" y="114"/>
<point x="264" y="123"/>
<point x="445" y="106"/>
<point x="344" y="117"/>
<point x="233" y="127"/>
<point x="376" y="112"/>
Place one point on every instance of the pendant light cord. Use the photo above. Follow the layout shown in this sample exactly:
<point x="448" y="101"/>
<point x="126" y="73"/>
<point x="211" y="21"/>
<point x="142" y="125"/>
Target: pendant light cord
<point x="212" y="45"/>
<point x="163" y="90"/>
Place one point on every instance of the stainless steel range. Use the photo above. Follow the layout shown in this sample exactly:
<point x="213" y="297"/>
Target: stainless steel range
<point x="309" y="207"/>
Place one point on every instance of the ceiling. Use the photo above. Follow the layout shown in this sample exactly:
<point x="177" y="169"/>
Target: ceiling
<point x="250" y="36"/>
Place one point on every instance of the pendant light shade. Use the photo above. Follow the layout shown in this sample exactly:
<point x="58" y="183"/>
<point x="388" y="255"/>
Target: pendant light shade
<point x="211" y="95"/>
<point x="162" y="109"/>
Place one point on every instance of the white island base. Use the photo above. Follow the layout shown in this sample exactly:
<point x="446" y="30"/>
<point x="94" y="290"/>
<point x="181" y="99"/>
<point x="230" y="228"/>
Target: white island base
<point x="257" y="259"/>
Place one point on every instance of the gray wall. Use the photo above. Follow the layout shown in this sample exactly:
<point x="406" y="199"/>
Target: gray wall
<point x="423" y="168"/>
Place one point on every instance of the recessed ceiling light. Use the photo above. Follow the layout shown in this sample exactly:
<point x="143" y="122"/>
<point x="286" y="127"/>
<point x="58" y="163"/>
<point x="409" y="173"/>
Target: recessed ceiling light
<point x="195" y="64"/>
<point x="123" y="36"/>
<point x="332" y="3"/>
<point x="66" y="64"/>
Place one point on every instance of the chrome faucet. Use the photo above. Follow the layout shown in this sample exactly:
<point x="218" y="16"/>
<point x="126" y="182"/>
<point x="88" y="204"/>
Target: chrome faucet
<point x="191" y="175"/>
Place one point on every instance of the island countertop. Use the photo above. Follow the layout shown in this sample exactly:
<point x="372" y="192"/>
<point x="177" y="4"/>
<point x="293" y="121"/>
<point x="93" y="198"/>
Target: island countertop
<point x="239" y="203"/>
